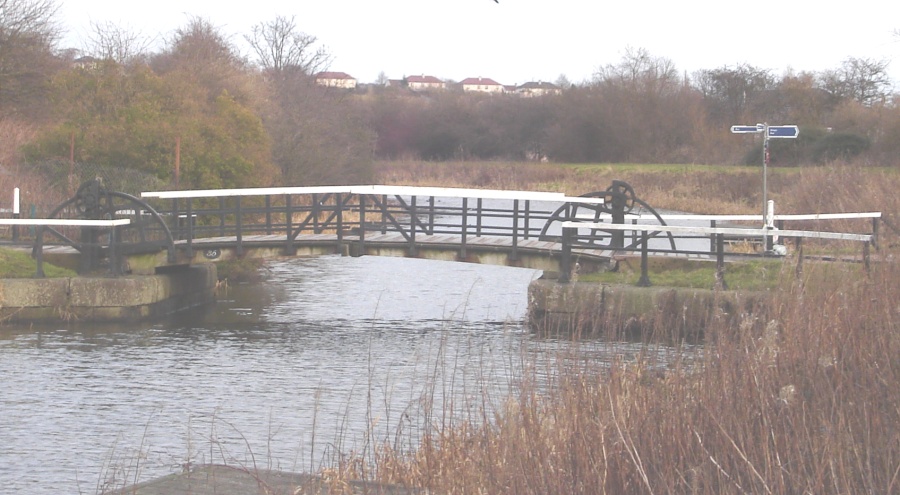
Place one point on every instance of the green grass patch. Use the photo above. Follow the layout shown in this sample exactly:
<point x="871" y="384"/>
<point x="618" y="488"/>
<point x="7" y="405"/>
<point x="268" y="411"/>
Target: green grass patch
<point x="18" y="264"/>
<point x="673" y="272"/>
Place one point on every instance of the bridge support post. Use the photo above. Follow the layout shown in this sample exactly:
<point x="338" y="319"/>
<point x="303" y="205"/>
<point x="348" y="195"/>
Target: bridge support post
<point x="565" y="258"/>
<point x="465" y="229"/>
<point x="362" y="225"/>
<point x="38" y="253"/>
<point x="239" y="250"/>
<point x="866" y="257"/>
<point x="115" y="260"/>
<point x="289" y="248"/>
<point x="339" y="216"/>
<point x="720" y="263"/>
<point x="645" y="277"/>
<point x="413" y="216"/>
<point x="875" y="233"/>
<point x="514" y="254"/>
<point x="189" y="217"/>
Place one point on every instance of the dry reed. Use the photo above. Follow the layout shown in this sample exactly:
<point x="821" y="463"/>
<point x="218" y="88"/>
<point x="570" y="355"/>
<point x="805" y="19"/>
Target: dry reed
<point x="799" y="396"/>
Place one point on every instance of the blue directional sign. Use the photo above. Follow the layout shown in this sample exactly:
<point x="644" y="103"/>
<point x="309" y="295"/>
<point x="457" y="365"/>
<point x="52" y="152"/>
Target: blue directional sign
<point x="746" y="129"/>
<point x="783" y="131"/>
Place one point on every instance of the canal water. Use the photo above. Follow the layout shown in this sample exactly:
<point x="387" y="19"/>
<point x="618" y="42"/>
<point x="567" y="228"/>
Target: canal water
<point x="324" y="358"/>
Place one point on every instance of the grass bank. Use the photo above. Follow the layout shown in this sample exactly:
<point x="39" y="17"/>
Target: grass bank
<point x="18" y="264"/>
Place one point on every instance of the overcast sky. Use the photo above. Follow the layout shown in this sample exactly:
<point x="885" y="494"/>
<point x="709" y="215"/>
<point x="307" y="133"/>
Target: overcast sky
<point x="517" y="41"/>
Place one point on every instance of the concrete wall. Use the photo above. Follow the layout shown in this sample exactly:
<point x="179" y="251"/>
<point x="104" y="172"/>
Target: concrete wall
<point x="127" y="298"/>
<point x="622" y="311"/>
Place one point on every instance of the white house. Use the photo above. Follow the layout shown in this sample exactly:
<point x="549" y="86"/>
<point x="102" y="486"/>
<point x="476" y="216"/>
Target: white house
<point x="336" y="80"/>
<point x="481" y="85"/>
<point x="425" y="83"/>
<point x="539" y="88"/>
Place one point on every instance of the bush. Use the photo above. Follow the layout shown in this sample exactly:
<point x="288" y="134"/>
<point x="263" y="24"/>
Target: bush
<point x="839" y="146"/>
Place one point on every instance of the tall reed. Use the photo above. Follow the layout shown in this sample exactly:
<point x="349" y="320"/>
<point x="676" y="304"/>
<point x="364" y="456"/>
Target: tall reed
<point x="801" y="395"/>
<point x="805" y="399"/>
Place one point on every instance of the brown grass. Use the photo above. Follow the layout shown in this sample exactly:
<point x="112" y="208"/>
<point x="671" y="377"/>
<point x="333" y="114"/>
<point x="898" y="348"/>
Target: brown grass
<point x="799" y="396"/>
<point x="805" y="399"/>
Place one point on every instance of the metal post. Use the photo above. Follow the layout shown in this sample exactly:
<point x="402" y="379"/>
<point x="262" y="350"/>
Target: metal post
<point x="645" y="277"/>
<point x="712" y="237"/>
<point x="799" y="246"/>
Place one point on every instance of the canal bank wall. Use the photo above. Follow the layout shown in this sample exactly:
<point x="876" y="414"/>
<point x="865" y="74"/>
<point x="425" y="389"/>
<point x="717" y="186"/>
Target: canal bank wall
<point x="126" y="298"/>
<point x="584" y="308"/>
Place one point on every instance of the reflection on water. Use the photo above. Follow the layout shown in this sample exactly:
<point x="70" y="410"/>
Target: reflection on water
<point x="283" y="374"/>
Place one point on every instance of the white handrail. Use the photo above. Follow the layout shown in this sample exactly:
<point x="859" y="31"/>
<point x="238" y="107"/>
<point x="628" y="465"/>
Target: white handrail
<point x="719" y="230"/>
<point x="448" y="192"/>
<point x="57" y="222"/>
<point x="750" y="218"/>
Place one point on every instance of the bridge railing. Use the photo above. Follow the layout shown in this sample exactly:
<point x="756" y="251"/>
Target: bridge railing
<point x="357" y="212"/>
<point x="584" y="234"/>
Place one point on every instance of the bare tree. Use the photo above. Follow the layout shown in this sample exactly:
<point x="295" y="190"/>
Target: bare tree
<point x="640" y="71"/>
<point x="860" y="79"/>
<point x="110" y="41"/>
<point x="730" y="91"/>
<point x="279" y="46"/>
<point x="201" y="53"/>
<point x="28" y="36"/>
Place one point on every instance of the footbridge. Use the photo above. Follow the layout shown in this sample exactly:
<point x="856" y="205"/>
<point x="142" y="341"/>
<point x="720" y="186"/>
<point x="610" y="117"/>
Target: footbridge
<point x="548" y="231"/>
<point x="513" y="228"/>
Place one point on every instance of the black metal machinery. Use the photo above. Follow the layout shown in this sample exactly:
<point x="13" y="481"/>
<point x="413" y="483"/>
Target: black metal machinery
<point x="105" y="246"/>
<point x="619" y="201"/>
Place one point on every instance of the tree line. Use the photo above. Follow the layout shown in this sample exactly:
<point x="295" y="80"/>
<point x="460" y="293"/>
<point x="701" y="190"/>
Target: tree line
<point x="255" y="120"/>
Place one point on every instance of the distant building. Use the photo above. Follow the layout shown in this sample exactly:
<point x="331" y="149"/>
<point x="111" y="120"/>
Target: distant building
<point x="425" y="83"/>
<point x="336" y="80"/>
<point x="539" y="88"/>
<point x="86" y="63"/>
<point x="481" y="85"/>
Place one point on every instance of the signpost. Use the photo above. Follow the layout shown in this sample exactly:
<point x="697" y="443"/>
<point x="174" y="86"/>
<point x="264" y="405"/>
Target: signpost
<point x="768" y="132"/>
